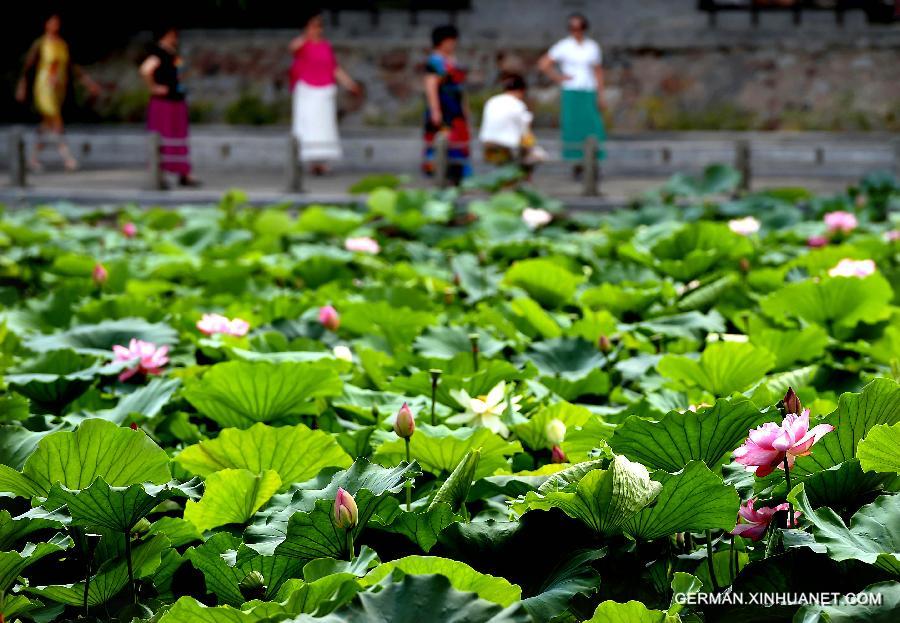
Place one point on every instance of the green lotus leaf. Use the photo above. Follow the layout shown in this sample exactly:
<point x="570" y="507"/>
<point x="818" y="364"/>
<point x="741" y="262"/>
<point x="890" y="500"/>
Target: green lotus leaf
<point x="477" y="280"/>
<point x="317" y="597"/>
<point x="573" y="577"/>
<point x="628" y="612"/>
<point x="873" y="535"/>
<point x="120" y="456"/>
<point x="422" y="526"/>
<point x="692" y="324"/>
<point x="707" y="435"/>
<point x="567" y="358"/>
<point x="532" y="319"/>
<point x="189" y="610"/>
<point x="604" y="499"/>
<point x="723" y="368"/>
<point x="455" y="489"/>
<point x="879" y="451"/>
<point x="17" y="443"/>
<point x="240" y="394"/>
<point x="396" y="326"/>
<point x="225" y="561"/>
<point x="694" y="499"/>
<point x="13" y="529"/>
<point x="833" y="303"/>
<point x="231" y="496"/>
<point x="98" y="339"/>
<point x="462" y="577"/>
<point x="13" y="563"/>
<point x="296" y="453"/>
<point x="449" y="342"/>
<point x="111" y="579"/>
<point x="546" y="281"/>
<point x="56" y="378"/>
<point x="533" y="432"/>
<point x="439" y="450"/>
<point x="791" y="346"/>
<point x="878" y="603"/>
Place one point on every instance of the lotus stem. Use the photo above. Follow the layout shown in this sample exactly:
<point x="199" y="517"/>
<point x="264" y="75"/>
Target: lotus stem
<point x="473" y="339"/>
<point x="128" y="562"/>
<point x="732" y="559"/>
<point x="408" y="481"/>
<point x="435" y="379"/>
<point x="350" y="542"/>
<point x="89" y="547"/>
<point x="709" y="561"/>
<point x="787" y="478"/>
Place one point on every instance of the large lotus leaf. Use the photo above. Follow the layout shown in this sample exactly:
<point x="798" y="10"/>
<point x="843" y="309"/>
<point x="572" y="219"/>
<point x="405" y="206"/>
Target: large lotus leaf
<point x="12" y="606"/>
<point x="873" y="535"/>
<point x="224" y="561"/>
<point x="461" y="576"/>
<point x="271" y="526"/>
<point x="111" y="579"/>
<point x="96" y="448"/>
<point x="603" y="499"/>
<point x="146" y="401"/>
<point x="448" y="342"/>
<point x="533" y="433"/>
<point x="478" y="281"/>
<point x="231" y="496"/>
<point x="546" y="281"/>
<point x="620" y="298"/>
<point x="296" y="597"/>
<point x="13" y="563"/>
<point x="189" y="610"/>
<point x="399" y="326"/>
<point x="13" y="529"/>
<point x="328" y="220"/>
<point x="693" y="500"/>
<point x="791" y="346"/>
<point x="568" y="358"/>
<point x="628" y="612"/>
<point x="706" y="435"/>
<point x="439" y="450"/>
<point x="692" y="324"/>
<point x="98" y="339"/>
<point x="574" y="576"/>
<point x="878" y="603"/>
<point x="422" y="526"/>
<point x="415" y="596"/>
<point x="17" y="443"/>
<point x="879" y="451"/>
<point x="296" y="453"/>
<point x="723" y="368"/>
<point x="55" y="378"/>
<point x="840" y="302"/>
<point x="695" y="248"/>
<point x="456" y="488"/>
<point x="475" y="384"/>
<point x="100" y="506"/>
<point x="241" y="393"/>
<point x="531" y="319"/>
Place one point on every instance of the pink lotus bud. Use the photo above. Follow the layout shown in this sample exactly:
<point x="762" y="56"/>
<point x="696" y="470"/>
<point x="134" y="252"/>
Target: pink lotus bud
<point x="129" y="230"/>
<point x="893" y="235"/>
<point x="558" y="456"/>
<point x="405" y="424"/>
<point x="744" y="265"/>
<point x="346" y="515"/>
<point x="99" y="274"/>
<point x="604" y="344"/>
<point x="815" y="242"/>
<point x="555" y="431"/>
<point x="329" y="318"/>
<point x="792" y="402"/>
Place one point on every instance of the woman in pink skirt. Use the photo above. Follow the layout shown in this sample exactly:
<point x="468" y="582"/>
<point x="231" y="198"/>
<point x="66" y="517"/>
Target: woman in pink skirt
<point x="167" y="113"/>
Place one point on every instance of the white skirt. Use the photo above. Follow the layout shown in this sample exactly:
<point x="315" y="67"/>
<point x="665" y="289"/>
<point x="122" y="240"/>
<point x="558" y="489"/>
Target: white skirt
<point x="315" y="122"/>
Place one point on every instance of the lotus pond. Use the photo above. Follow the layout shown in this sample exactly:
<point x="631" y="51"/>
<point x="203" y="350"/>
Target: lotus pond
<point x="407" y="412"/>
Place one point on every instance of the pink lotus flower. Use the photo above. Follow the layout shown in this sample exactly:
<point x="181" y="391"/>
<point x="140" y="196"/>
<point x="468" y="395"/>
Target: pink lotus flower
<point x="536" y="217"/>
<point x="150" y="357"/>
<point x="769" y="445"/>
<point x="840" y="221"/>
<point x="329" y="318"/>
<point x="363" y="244"/>
<point x="346" y="514"/>
<point x="99" y="274"/>
<point x="893" y="235"/>
<point x="815" y="242"/>
<point x="210" y="324"/>
<point x="853" y="268"/>
<point x="744" y="226"/>
<point x="558" y="456"/>
<point x="129" y="230"/>
<point x="757" y="520"/>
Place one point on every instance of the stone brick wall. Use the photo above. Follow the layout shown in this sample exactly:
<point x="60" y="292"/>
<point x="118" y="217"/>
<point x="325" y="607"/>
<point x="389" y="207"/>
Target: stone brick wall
<point x="666" y="67"/>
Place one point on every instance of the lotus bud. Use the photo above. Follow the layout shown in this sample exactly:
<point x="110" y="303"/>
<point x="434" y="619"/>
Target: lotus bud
<point x="604" y="344"/>
<point x="142" y="525"/>
<point x="133" y="426"/>
<point x="555" y="430"/>
<point x="343" y="353"/>
<point x="792" y="402"/>
<point x="346" y="515"/>
<point x="129" y="230"/>
<point x="449" y="296"/>
<point x="405" y="424"/>
<point x="329" y="318"/>
<point x="99" y="274"/>
<point x="253" y="586"/>
<point x="744" y="265"/>
<point x="558" y="456"/>
<point x="456" y="279"/>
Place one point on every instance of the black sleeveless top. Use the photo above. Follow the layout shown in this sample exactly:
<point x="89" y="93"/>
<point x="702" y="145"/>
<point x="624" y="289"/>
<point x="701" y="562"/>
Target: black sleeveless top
<point x="167" y="72"/>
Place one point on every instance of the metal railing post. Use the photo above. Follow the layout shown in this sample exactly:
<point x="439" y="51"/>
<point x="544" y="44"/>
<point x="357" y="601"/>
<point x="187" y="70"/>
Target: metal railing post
<point x="17" y="167"/>
<point x="441" y="159"/>
<point x="294" y="166"/>
<point x="591" y="166"/>
<point x="743" y="163"/>
<point x="154" y="162"/>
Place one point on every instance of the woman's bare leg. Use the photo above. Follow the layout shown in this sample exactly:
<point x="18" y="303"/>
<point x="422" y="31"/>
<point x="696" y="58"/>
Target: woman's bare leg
<point x="68" y="159"/>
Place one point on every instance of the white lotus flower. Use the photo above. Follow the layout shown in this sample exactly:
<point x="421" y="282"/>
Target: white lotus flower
<point x="342" y="352"/>
<point x="363" y="244"/>
<point x="744" y="226"/>
<point x="536" y="217"/>
<point x="485" y="410"/>
<point x="853" y="268"/>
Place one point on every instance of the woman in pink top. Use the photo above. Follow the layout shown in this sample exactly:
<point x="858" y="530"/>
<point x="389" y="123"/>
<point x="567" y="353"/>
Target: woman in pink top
<point x="314" y="74"/>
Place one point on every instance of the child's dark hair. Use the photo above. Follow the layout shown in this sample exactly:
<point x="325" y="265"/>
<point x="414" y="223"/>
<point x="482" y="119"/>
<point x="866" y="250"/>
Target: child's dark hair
<point x="585" y="24"/>
<point x="161" y="30"/>
<point x="442" y="33"/>
<point x="513" y="82"/>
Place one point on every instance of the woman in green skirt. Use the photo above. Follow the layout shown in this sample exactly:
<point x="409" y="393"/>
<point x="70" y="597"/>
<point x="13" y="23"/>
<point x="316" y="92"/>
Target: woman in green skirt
<point x="575" y="63"/>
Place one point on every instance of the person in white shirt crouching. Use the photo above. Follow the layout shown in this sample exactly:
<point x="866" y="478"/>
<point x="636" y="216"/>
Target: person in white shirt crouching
<point x="505" y="134"/>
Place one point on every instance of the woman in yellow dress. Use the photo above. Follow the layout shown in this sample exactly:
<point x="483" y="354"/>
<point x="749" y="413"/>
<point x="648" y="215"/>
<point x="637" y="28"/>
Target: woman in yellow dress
<point x="49" y="58"/>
